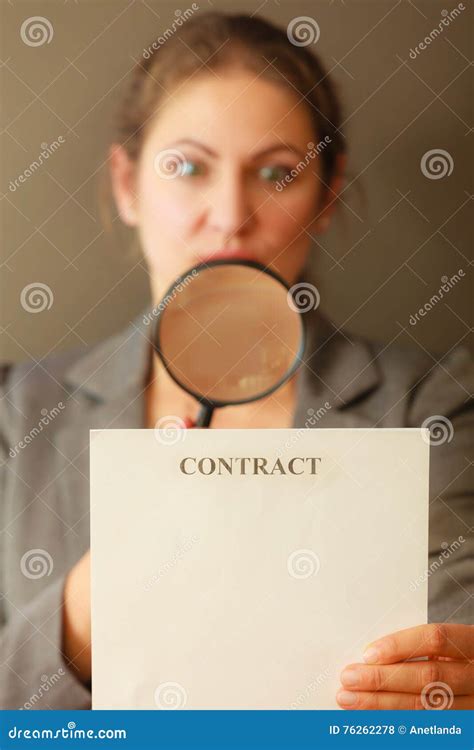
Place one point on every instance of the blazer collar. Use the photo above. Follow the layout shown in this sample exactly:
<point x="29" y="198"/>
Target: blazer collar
<point x="116" y="365"/>
<point x="338" y="367"/>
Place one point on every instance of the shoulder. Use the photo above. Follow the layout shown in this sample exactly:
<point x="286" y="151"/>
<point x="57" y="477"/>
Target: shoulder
<point x="81" y="378"/>
<point x="35" y="392"/>
<point x="29" y="382"/>
<point x="433" y="384"/>
<point x="394" y="383"/>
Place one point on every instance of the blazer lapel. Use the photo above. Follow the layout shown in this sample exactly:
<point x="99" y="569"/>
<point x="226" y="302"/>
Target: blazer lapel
<point x="108" y="385"/>
<point x="337" y="371"/>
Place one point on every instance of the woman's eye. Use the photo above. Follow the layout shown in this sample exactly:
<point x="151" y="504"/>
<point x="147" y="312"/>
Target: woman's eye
<point x="191" y="168"/>
<point x="275" y="173"/>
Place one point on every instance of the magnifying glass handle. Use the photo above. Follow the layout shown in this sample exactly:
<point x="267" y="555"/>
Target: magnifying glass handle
<point x="205" y="415"/>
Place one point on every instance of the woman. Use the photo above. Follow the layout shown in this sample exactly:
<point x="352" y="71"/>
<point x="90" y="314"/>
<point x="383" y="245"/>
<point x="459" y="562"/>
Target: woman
<point x="205" y="164"/>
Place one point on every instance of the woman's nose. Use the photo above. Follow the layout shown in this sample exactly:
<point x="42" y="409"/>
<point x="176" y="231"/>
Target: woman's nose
<point x="230" y="210"/>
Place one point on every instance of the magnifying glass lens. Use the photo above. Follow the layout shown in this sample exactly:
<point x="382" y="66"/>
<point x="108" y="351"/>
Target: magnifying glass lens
<point x="229" y="335"/>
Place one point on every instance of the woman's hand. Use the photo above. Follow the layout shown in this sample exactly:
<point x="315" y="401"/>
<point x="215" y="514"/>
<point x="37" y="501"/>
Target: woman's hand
<point x="77" y="619"/>
<point x="387" y="681"/>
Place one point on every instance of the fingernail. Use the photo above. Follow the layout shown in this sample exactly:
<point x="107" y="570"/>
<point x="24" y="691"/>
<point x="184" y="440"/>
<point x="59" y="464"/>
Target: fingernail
<point x="371" y="655"/>
<point x="350" y="677"/>
<point x="347" y="698"/>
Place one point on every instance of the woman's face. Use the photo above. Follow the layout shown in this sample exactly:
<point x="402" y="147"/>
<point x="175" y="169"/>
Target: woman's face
<point x="232" y="138"/>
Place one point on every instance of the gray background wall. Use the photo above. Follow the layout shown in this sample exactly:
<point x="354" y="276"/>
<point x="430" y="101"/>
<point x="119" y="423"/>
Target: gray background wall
<point x="397" y="232"/>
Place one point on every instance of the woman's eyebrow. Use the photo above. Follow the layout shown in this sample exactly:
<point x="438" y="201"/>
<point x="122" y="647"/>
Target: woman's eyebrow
<point x="281" y="146"/>
<point x="193" y="142"/>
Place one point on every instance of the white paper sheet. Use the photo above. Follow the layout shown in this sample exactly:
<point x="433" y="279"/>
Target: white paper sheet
<point x="250" y="590"/>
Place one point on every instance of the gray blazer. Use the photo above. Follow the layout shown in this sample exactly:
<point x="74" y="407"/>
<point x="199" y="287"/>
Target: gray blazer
<point x="48" y="408"/>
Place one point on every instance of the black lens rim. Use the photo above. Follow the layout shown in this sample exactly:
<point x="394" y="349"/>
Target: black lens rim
<point x="215" y="403"/>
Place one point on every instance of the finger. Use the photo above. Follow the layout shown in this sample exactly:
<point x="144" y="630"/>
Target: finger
<point x="436" y="639"/>
<point x="379" y="701"/>
<point x="410" y="677"/>
<point x="448" y="658"/>
<point x="399" y="701"/>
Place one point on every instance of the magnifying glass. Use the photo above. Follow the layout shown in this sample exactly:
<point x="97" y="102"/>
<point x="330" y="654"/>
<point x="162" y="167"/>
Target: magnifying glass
<point x="229" y="333"/>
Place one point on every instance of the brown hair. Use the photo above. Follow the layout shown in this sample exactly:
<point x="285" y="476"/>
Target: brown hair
<point x="218" y="41"/>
